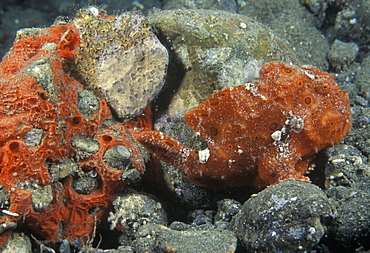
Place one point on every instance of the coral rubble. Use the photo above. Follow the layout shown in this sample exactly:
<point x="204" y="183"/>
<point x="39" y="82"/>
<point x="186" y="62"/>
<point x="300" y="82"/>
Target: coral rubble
<point x="62" y="159"/>
<point x="262" y="132"/>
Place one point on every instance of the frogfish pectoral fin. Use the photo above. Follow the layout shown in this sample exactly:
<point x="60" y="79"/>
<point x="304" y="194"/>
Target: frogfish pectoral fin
<point x="278" y="163"/>
<point x="165" y="148"/>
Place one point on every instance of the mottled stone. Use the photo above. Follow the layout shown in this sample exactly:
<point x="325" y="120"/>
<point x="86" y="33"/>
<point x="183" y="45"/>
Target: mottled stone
<point x="132" y="210"/>
<point x="293" y="22"/>
<point x="4" y="197"/>
<point x="290" y="216"/>
<point x="62" y="168"/>
<point x="363" y="78"/>
<point x="118" y="157"/>
<point x="158" y="238"/>
<point x="41" y="69"/>
<point x="121" y="59"/>
<point x="352" y="22"/>
<point x="226" y="209"/>
<point x="347" y="179"/>
<point x="346" y="166"/>
<point x="342" y="54"/>
<point x="86" y="182"/>
<point x="85" y="146"/>
<point x="351" y="228"/>
<point x="215" y="49"/>
<point x="87" y="102"/>
<point x="41" y="196"/>
<point x="19" y="243"/>
<point x="33" y="137"/>
<point x="226" y="5"/>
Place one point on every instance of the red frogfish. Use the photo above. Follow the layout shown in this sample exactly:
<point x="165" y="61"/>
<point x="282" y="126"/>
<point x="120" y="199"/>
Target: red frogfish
<point x="262" y="132"/>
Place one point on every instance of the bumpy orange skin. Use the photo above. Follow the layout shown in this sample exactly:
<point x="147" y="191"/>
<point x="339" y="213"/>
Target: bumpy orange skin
<point x="262" y="132"/>
<point x="24" y="105"/>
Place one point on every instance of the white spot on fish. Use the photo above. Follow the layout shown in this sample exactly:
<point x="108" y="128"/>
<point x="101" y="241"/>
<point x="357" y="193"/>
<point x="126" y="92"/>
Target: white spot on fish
<point x="204" y="155"/>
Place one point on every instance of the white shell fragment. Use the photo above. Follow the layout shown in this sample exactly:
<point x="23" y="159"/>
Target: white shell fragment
<point x="204" y="155"/>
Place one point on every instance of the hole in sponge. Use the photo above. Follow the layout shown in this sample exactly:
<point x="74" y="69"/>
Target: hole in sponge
<point x="44" y="96"/>
<point x="107" y="138"/>
<point x="213" y="131"/>
<point x="76" y="120"/>
<point x="14" y="146"/>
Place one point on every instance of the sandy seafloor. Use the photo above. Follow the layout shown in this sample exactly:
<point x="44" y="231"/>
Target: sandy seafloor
<point x="331" y="35"/>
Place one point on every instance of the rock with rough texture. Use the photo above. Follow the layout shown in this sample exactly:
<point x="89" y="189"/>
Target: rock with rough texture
<point x="19" y="243"/>
<point x="214" y="50"/>
<point x="133" y="210"/>
<point x="342" y="54"/>
<point x="121" y="59"/>
<point x="290" y="216"/>
<point x="352" y="22"/>
<point x="158" y="238"/>
<point x="293" y="22"/>
<point x="226" y="209"/>
<point x="226" y="5"/>
<point x="347" y="179"/>
<point x="363" y="78"/>
<point x="351" y="227"/>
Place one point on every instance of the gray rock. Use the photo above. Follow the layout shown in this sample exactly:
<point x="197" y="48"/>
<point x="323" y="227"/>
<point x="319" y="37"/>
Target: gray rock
<point x="4" y="197"/>
<point x="346" y="166"/>
<point x="130" y="175"/>
<point x="352" y="22"/>
<point x="216" y="49"/>
<point x="183" y="190"/>
<point x="290" y="216"/>
<point x="363" y="78"/>
<point x="118" y="157"/>
<point x="63" y="168"/>
<point x="180" y="226"/>
<point x="158" y="238"/>
<point x="85" y="146"/>
<point x="133" y="210"/>
<point x="359" y="135"/>
<point x="41" y="69"/>
<point x="34" y="137"/>
<point x="342" y="54"/>
<point x="226" y="5"/>
<point x="41" y="196"/>
<point x="318" y="8"/>
<point x="121" y="59"/>
<point x="226" y="209"/>
<point x="120" y="249"/>
<point x="351" y="227"/>
<point x="86" y="182"/>
<point x="347" y="179"/>
<point x="19" y="243"/>
<point x="293" y="22"/>
<point x="201" y="217"/>
<point x="87" y="102"/>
